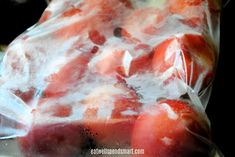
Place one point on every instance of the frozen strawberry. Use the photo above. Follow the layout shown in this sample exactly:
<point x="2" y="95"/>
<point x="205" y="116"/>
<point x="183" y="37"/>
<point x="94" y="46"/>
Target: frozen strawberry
<point x="26" y="96"/>
<point x="45" y="16"/>
<point x="96" y="37"/>
<point x="141" y="64"/>
<point x="71" y="12"/>
<point x="114" y="61"/>
<point x="142" y="22"/>
<point x="56" y="140"/>
<point x="68" y="76"/>
<point x="187" y="57"/>
<point x="167" y="130"/>
<point x="97" y="23"/>
<point x="110" y="63"/>
<point x="192" y="12"/>
<point x="59" y="83"/>
<point x="110" y="115"/>
<point x="104" y="112"/>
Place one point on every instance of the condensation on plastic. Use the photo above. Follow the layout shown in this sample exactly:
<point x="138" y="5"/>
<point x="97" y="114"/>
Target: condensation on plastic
<point x="84" y="55"/>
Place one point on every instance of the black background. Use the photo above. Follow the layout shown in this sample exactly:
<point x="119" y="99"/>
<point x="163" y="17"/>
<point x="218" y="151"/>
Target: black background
<point x="14" y="19"/>
<point x="221" y="109"/>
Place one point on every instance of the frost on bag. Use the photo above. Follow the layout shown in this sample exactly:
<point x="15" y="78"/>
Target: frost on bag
<point x="120" y="74"/>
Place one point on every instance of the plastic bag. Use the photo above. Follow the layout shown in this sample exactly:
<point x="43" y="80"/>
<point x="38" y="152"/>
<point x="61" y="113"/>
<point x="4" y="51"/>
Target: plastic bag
<point x="111" y="77"/>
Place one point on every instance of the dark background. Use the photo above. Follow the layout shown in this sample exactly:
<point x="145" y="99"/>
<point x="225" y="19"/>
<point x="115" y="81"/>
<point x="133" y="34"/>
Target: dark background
<point x="14" y="19"/>
<point x="220" y="109"/>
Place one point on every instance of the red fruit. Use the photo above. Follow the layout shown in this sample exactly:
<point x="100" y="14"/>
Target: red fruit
<point x="112" y="133"/>
<point x="127" y="3"/>
<point x="178" y="6"/>
<point x="111" y="102"/>
<point x="192" y="11"/>
<point x="108" y="119"/>
<point x="56" y="140"/>
<point x="72" y="30"/>
<point x="68" y="75"/>
<point x="99" y="15"/>
<point x="71" y="12"/>
<point x="110" y="63"/>
<point x="141" y="64"/>
<point x="142" y="22"/>
<point x="110" y="115"/>
<point x="165" y="131"/>
<point x="188" y="57"/>
<point x="52" y="134"/>
<point x="123" y="63"/>
<point x="45" y="16"/>
<point x="59" y="110"/>
<point x="25" y="96"/>
<point x="96" y="37"/>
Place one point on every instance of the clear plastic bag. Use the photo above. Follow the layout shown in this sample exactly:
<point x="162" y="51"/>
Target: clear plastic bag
<point x="121" y="77"/>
